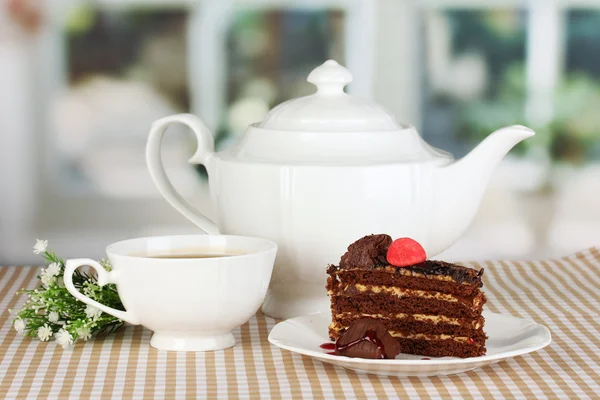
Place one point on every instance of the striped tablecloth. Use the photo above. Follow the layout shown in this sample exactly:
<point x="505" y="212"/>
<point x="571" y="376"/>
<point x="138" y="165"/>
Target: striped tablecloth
<point x="561" y="294"/>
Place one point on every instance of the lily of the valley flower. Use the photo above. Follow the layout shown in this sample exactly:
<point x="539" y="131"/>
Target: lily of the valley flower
<point x="40" y="246"/>
<point x="44" y="333"/>
<point x="19" y="325"/>
<point x="92" y="312"/>
<point x="63" y="338"/>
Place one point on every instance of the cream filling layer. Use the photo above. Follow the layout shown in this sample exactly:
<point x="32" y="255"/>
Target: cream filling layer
<point x="435" y="319"/>
<point x="403" y="292"/>
<point x="428" y="337"/>
<point x="425" y="336"/>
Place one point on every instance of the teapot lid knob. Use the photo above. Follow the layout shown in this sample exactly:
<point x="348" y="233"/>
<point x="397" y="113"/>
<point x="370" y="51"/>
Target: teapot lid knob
<point x="330" y="78"/>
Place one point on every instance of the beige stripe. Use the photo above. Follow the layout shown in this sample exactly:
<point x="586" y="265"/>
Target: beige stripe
<point x="461" y="386"/>
<point x="584" y="282"/>
<point x="587" y="272"/>
<point x="518" y="379"/>
<point x="420" y="388"/>
<point x="312" y="377"/>
<point x="190" y="375"/>
<point x="48" y="380"/>
<point x="71" y="373"/>
<point x="377" y="386"/>
<point x="265" y="348"/>
<point x="232" y="385"/>
<point x="19" y="360"/>
<point x="499" y="382"/>
<point x="92" y="367"/>
<point x="211" y="375"/>
<point x="171" y="375"/>
<point x="27" y="279"/>
<point x="32" y="369"/>
<point x="595" y="253"/>
<point x="440" y="387"/>
<point x="556" y="376"/>
<point x="5" y="270"/>
<point x="150" y="380"/>
<point x="249" y="362"/>
<point x="584" y="258"/>
<point x="132" y="361"/>
<point x="532" y="373"/>
<point x="356" y="384"/>
<point x="399" y="387"/>
<point x="113" y="362"/>
<point x="291" y="374"/>
<point x="334" y="381"/>
<point x="23" y="278"/>
<point x="508" y="304"/>
<point x="580" y="281"/>
<point x="18" y="279"/>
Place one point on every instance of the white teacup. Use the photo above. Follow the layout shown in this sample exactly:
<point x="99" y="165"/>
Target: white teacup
<point x="191" y="304"/>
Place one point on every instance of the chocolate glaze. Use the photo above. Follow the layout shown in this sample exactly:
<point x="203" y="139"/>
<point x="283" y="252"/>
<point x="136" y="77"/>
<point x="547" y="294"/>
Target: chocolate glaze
<point x="367" y="338"/>
<point x="458" y="273"/>
<point x="370" y="252"/>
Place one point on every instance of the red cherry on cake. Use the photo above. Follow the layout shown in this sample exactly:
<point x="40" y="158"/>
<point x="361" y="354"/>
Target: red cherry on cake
<point x="404" y="252"/>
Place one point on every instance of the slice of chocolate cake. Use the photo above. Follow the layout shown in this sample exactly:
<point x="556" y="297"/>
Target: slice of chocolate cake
<point x="432" y="308"/>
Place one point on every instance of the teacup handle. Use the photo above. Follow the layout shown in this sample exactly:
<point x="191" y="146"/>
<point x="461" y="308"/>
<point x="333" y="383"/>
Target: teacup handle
<point x="104" y="277"/>
<point x="204" y="153"/>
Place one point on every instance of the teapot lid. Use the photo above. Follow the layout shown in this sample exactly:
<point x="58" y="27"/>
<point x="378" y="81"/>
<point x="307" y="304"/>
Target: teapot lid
<point x="330" y="109"/>
<point x="331" y="127"/>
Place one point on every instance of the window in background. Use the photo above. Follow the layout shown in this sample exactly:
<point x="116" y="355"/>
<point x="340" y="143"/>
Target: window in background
<point x="123" y="69"/>
<point x="577" y="121"/>
<point x="575" y="132"/>
<point x="269" y="55"/>
<point x="474" y="83"/>
<point x="474" y="76"/>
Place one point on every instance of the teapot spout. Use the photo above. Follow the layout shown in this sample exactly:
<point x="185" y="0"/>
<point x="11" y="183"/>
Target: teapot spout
<point x="460" y="186"/>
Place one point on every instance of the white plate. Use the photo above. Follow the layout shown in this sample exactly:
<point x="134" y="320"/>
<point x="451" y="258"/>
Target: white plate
<point x="508" y="337"/>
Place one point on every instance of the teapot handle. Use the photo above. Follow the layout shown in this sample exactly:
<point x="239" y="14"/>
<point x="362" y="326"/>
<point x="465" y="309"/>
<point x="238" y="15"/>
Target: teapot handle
<point x="204" y="154"/>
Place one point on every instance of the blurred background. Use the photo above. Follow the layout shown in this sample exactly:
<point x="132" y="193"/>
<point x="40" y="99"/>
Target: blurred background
<point x="81" y="81"/>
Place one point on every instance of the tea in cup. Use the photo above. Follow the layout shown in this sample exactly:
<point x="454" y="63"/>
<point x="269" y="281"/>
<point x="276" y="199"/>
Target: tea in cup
<point x="191" y="290"/>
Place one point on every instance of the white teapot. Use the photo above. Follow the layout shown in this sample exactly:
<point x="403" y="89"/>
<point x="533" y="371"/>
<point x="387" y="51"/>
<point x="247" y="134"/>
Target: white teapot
<point x="322" y="171"/>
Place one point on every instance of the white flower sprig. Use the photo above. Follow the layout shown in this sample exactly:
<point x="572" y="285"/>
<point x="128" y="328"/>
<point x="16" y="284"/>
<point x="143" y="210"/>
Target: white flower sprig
<point x="52" y="312"/>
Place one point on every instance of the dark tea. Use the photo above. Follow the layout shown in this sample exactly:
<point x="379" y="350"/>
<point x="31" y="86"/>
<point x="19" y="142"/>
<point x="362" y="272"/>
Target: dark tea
<point x="199" y="255"/>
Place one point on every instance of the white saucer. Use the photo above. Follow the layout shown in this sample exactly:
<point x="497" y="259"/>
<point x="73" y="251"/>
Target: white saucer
<point x="508" y="337"/>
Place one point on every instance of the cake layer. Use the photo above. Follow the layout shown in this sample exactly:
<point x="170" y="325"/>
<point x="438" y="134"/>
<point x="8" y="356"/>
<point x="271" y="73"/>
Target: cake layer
<point x="400" y="277"/>
<point x="473" y="337"/>
<point x="474" y="323"/>
<point x="410" y="325"/>
<point x="475" y="301"/>
<point x="441" y="348"/>
<point x="369" y="303"/>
